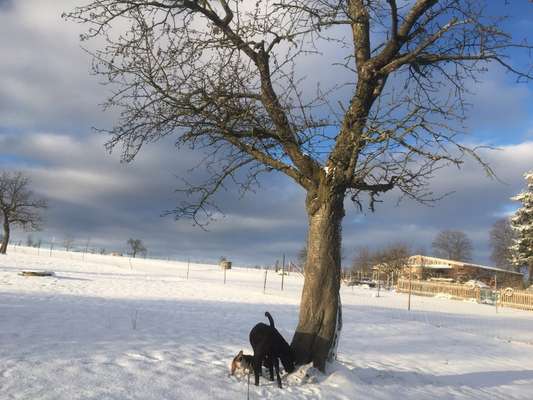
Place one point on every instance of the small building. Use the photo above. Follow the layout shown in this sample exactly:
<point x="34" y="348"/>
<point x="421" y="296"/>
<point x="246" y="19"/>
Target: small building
<point x="426" y="268"/>
<point x="225" y="264"/>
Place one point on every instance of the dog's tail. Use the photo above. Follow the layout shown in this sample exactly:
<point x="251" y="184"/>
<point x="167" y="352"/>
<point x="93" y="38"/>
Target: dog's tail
<point x="270" y="319"/>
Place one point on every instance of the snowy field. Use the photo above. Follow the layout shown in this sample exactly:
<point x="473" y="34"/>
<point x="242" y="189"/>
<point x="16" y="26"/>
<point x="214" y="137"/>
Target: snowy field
<point x="102" y="329"/>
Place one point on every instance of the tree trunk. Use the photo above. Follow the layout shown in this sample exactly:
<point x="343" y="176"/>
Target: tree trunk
<point x="5" y="237"/>
<point x="319" y="323"/>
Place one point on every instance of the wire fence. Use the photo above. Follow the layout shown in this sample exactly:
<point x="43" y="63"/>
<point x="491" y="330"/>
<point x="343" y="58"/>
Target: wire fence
<point x="273" y="278"/>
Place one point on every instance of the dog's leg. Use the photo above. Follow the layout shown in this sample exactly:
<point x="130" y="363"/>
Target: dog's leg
<point x="257" y="367"/>
<point x="276" y="366"/>
<point x="248" y="393"/>
<point x="267" y="362"/>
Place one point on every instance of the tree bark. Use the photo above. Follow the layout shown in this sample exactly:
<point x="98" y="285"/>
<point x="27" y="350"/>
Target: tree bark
<point x="5" y="237"/>
<point x="319" y="323"/>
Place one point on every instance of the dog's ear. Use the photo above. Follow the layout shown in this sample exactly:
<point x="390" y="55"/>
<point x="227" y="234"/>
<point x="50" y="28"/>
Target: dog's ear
<point x="240" y="354"/>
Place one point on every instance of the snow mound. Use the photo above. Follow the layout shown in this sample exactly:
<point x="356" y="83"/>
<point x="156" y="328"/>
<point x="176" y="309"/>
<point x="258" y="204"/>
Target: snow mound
<point x="37" y="273"/>
<point x="304" y="374"/>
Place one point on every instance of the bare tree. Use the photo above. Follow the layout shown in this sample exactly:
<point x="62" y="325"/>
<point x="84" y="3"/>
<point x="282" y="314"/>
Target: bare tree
<point x="453" y="245"/>
<point x="68" y="242"/>
<point x="363" y="261"/>
<point x="421" y="251"/>
<point x="224" y="77"/>
<point x="18" y="205"/>
<point x="136" y="247"/>
<point x="501" y="239"/>
<point x="392" y="258"/>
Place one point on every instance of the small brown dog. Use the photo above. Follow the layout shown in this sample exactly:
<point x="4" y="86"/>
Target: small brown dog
<point x="243" y="363"/>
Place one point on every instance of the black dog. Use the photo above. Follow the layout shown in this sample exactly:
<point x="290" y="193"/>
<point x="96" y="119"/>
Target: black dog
<point x="270" y="347"/>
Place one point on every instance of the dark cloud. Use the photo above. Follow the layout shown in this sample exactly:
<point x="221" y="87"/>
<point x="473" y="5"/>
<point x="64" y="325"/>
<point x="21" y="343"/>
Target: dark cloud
<point x="93" y="196"/>
<point x="48" y="103"/>
<point x="6" y="5"/>
<point x="45" y="82"/>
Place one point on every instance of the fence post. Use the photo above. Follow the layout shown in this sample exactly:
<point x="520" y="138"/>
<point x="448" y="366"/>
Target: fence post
<point x="496" y="291"/>
<point x="87" y="248"/>
<point x="379" y="279"/>
<point x="188" y="266"/>
<point x="410" y="280"/>
<point x="52" y="246"/>
<point x="225" y="275"/>
<point x="265" y="283"/>
<point x="282" y="271"/>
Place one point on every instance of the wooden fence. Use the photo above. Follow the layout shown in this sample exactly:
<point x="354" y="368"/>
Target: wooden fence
<point x="506" y="297"/>
<point x="434" y="288"/>
<point x="516" y="298"/>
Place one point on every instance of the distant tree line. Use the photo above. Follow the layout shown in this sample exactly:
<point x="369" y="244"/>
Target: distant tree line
<point x="387" y="260"/>
<point x="454" y="245"/>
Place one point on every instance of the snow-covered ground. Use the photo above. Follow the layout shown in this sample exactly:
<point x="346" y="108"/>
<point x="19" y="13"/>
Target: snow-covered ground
<point x="100" y="329"/>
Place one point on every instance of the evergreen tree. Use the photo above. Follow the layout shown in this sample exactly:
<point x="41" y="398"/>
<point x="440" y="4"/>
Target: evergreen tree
<point x="522" y="223"/>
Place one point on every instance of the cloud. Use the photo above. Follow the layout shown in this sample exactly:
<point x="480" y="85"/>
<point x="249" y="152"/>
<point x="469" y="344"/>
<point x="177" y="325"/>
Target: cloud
<point x="92" y="195"/>
<point x="499" y="105"/>
<point x="475" y="204"/>
<point x="5" y="5"/>
<point x="44" y="74"/>
<point x="49" y="101"/>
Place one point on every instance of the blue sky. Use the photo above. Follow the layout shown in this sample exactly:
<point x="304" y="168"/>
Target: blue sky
<point x="49" y="102"/>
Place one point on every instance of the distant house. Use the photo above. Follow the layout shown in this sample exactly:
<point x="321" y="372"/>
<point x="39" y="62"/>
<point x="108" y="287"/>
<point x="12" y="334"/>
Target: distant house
<point x="425" y="268"/>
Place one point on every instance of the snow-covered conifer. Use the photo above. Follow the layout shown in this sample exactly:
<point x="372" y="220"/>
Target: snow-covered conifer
<point x="522" y="223"/>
